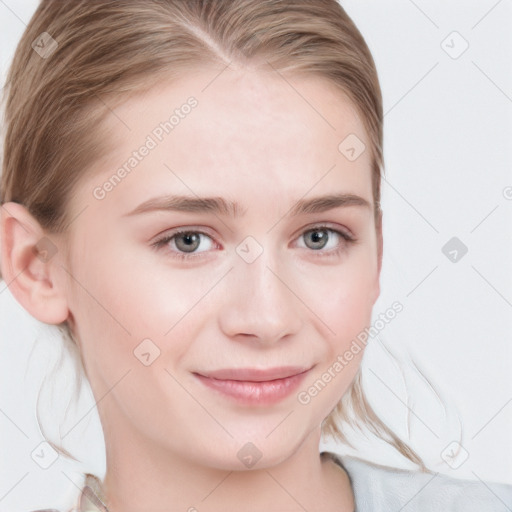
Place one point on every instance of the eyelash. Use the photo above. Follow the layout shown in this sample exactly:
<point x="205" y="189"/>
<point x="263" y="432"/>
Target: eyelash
<point x="161" y="242"/>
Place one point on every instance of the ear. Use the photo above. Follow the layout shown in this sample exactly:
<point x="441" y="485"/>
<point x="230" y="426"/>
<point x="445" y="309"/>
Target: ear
<point x="30" y="265"/>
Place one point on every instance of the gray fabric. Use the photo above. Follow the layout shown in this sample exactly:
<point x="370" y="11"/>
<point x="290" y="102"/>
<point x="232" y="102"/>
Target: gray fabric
<point x="384" y="489"/>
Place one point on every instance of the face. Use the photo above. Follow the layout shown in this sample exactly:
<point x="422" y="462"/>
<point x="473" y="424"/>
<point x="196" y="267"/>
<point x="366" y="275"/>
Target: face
<point x="263" y="277"/>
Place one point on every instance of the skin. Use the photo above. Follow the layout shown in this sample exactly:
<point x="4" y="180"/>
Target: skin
<point x="172" y="442"/>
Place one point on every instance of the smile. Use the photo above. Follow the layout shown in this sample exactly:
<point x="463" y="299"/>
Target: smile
<point x="253" y="386"/>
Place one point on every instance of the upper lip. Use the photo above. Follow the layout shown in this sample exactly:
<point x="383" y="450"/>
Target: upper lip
<point x="255" y="374"/>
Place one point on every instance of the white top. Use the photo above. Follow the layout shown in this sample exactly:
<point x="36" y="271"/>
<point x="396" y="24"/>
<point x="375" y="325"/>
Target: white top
<point x="384" y="489"/>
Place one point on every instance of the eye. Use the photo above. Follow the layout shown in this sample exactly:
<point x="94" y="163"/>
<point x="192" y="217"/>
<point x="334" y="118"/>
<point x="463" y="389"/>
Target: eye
<point x="185" y="243"/>
<point x="323" y="237"/>
<point x="189" y="243"/>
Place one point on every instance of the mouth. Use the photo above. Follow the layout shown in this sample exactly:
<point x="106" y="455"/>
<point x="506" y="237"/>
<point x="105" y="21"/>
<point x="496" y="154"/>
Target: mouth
<point x="256" y="374"/>
<point x="254" y="386"/>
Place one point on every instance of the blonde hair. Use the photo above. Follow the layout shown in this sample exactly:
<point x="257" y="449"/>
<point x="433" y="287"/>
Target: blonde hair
<point x="100" y="52"/>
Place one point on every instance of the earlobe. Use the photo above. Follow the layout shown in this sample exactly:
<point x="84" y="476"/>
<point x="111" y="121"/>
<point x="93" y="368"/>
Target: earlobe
<point x="29" y="264"/>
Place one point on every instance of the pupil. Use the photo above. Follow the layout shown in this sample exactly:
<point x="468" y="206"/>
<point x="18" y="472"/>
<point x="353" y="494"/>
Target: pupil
<point x="187" y="241"/>
<point x="318" y="237"/>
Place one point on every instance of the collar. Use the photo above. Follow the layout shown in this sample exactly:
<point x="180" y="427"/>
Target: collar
<point x="92" y="498"/>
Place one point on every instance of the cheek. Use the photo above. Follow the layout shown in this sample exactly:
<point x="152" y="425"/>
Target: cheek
<point x="131" y="309"/>
<point x="348" y="311"/>
<point x="343" y="296"/>
<point x="345" y="304"/>
<point x="348" y="315"/>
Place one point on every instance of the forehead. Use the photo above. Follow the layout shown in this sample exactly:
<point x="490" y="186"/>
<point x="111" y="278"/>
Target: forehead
<point x="249" y="130"/>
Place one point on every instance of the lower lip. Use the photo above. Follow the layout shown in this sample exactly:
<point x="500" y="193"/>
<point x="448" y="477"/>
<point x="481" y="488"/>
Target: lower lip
<point x="255" y="393"/>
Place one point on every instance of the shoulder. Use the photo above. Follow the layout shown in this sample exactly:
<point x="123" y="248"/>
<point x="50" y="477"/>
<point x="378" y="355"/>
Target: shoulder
<point x="382" y="488"/>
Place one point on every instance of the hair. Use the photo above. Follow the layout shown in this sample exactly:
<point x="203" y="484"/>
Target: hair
<point x="106" y="50"/>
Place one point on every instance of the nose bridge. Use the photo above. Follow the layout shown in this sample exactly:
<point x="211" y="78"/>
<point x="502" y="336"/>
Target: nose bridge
<point x="260" y="303"/>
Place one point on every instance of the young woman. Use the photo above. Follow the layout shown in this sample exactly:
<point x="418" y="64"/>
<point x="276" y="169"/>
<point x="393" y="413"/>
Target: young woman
<point x="191" y="192"/>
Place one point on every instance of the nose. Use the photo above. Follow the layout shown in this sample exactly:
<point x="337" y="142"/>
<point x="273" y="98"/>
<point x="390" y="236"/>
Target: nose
<point x="260" y="303"/>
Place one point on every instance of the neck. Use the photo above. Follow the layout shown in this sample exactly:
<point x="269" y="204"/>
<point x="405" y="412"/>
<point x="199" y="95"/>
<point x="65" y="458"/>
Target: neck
<point x="142" y="476"/>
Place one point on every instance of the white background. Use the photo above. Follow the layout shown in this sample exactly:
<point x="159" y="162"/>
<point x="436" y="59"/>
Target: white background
<point x="448" y="156"/>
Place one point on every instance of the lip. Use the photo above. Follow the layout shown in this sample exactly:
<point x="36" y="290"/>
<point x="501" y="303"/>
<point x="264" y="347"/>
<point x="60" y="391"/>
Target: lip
<point x="255" y="374"/>
<point x="255" y="386"/>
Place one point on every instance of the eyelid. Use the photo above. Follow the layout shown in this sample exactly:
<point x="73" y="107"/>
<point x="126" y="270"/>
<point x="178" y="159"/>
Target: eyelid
<point x="347" y="239"/>
<point x="344" y="233"/>
<point x="327" y="225"/>
<point x="166" y="237"/>
<point x="185" y="229"/>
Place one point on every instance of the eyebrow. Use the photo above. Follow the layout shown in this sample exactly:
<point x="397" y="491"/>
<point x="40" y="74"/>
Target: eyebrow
<point x="222" y="206"/>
